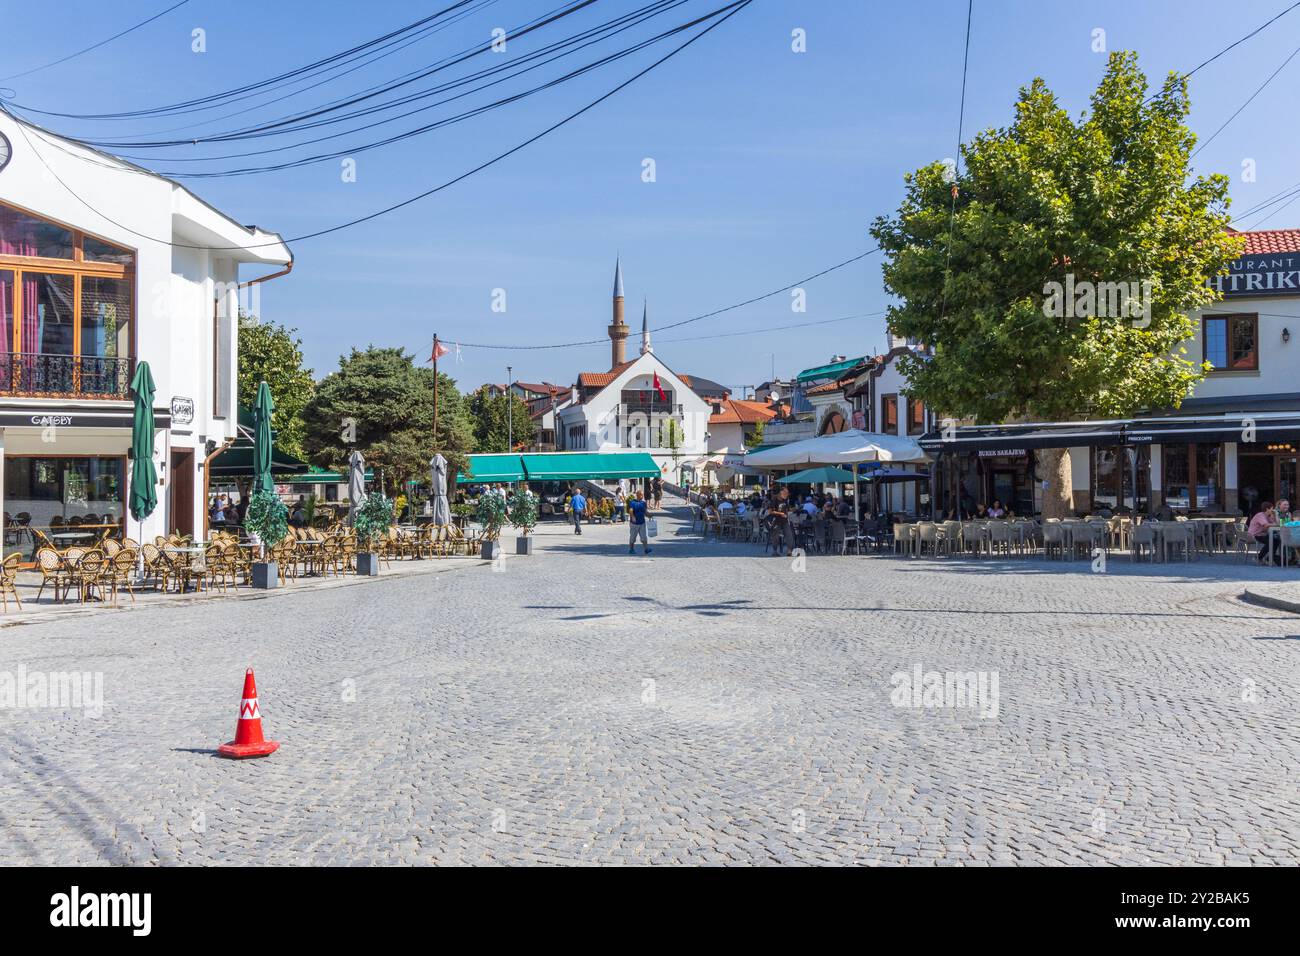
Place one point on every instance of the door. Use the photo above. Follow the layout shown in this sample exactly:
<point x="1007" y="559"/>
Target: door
<point x="182" y="491"/>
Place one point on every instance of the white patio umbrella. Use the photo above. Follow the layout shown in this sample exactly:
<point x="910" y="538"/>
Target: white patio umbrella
<point x="849" y="447"/>
<point x="356" y="483"/>
<point x="441" y="510"/>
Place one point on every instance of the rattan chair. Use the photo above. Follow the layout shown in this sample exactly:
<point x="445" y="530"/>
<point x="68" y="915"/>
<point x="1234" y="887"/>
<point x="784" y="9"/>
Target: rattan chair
<point x="53" y="571"/>
<point x="120" y="573"/>
<point x="9" y="580"/>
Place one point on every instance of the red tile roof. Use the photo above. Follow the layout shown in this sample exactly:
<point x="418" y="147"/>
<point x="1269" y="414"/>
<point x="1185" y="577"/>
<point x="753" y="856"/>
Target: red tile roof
<point x="1266" y="241"/>
<point x="736" y="412"/>
<point x="601" y="379"/>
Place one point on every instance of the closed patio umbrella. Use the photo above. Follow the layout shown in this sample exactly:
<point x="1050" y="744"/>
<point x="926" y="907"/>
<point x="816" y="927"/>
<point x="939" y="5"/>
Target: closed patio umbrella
<point x="356" y="483"/>
<point x="144" y="477"/>
<point x="441" y="510"/>
<point x="262" y="453"/>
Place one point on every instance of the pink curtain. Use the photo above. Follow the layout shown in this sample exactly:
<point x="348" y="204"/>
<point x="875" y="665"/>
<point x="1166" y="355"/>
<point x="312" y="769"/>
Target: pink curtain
<point x="17" y="239"/>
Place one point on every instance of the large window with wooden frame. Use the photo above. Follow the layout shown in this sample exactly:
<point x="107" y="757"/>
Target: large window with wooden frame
<point x="1193" y="477"/>
<point x="61" y="501"/>
<point x="889" y="414"/>
<point x="1231" y="342"/>
<point x="67" y="310"/>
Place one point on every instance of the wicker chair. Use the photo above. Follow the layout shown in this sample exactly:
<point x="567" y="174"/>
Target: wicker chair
<point x="9" y="580"/>
<point x="53" y="571"/>
<point x="120" y="573"/>
<point x="155" y="566"/>
<point x="87" y="574"/>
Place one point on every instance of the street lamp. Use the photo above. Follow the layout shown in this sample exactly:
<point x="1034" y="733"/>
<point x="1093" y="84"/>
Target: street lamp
<point x="510" y="422"/>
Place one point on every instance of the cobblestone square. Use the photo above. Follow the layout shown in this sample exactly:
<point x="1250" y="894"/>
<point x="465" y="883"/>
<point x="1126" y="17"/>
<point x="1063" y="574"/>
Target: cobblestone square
<point x="704" y="705"/>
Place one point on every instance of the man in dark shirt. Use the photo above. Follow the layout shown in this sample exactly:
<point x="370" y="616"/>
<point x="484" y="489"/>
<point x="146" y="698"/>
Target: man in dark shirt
<point x="636" y="524"/>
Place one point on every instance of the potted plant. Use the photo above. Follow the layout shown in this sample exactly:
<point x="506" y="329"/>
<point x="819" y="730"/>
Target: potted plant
<point x="491" y="514"/>
<point x="521" y="508"/>
<point x="268" y="519"/>
<point x="372" y="521"/>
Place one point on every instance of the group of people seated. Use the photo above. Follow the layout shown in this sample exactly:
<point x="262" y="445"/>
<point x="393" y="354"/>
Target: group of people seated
<point x="980" y="512"/>
<point x="224" y="510"/>
<point x="1268" y="516"/>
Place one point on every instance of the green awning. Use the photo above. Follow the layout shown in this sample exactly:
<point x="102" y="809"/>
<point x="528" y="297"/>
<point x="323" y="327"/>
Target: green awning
<point x="833" y="370"/>
<point x="492" y="468"/>
<point x="757" y="448"/>
<point x="590" y="465"/>
<point x="319" y="476"/>
<point x="826" y="475"/>
<point x="237" y="462"/>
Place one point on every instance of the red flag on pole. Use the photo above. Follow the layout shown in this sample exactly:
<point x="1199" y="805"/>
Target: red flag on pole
<point x="439" y="350"/>
<point x="659" y="389"/>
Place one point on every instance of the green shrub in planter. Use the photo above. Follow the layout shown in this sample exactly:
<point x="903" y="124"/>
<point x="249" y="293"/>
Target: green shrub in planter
<point x="491" y="514"/>
<point x="521" y="508"/>
<point x="372" y="520"/>
<point x="267" y="517"/>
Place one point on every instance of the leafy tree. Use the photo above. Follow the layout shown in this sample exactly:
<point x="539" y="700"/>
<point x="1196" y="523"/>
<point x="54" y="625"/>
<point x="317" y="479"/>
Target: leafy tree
<point x="380" y="403"/>
<point x="754" y="437"/>
<point x="1107" y="199"/>
<point x="274" y="353"/>
<point x="492" y="429"/>
<point x="673" y="437"/>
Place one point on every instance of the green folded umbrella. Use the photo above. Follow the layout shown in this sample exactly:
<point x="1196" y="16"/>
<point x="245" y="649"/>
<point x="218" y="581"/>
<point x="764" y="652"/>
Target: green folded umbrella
<point x="262" y="440"/>
<point x="144" y="477"/>
<point x="827" y="475"/>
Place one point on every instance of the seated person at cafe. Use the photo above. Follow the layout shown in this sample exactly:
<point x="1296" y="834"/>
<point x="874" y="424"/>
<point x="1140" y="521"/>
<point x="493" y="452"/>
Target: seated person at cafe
<point x="726" y="505"/>
<point x="1264" y="519"/>
<point x="997" y="511"/>
<point x="809" y="507"/>
<point x="981" y="512"/>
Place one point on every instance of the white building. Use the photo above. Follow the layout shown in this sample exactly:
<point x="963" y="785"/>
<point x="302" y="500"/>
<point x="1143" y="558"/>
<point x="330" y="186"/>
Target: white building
<point x="623" y="409"/>
<point x="104" y="264"/>
<point x="1231" y="445"/>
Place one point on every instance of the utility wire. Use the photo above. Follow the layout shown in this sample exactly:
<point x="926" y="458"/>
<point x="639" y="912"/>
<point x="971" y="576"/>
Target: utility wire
<point x="1249" y="100"/>
<point x="94" y="46"/>
<point x="723" y="14"/>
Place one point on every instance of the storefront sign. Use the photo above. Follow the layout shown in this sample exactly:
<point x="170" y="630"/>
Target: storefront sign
<point x="1002" y="453"/>
<point x="182" y="410"/>
<point x="1276" y="274"/>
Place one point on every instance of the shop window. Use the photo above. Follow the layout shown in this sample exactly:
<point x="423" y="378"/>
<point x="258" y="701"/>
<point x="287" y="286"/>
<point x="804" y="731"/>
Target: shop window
<point x="62" y="499"/>
<point x="915" y="417"/>
<point x="1231" y="342"/>
<point x="1176" y="464"/>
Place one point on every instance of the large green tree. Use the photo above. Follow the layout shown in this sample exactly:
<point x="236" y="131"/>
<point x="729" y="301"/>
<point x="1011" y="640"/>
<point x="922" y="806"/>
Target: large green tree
<point x="492" y="430"/>
<point x="274" y="353"/>
<point x="380" y="403"/>
<point x="1011" y="280"/>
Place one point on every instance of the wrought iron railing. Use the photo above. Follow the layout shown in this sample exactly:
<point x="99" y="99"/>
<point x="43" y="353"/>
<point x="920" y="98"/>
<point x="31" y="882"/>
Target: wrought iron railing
<point x="39" y="373"/>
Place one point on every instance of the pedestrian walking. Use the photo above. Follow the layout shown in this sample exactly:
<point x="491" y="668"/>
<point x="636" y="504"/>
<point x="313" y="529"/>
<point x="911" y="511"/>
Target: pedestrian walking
<point x="620" y="505"/>
<point x="658" y="486"/>
<point x="636" y="526"/>
<point x="579" y="505"/>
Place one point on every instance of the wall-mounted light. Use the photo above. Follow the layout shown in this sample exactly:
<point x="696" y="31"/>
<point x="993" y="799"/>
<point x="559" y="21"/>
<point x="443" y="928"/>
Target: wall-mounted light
<point x="1286" y="335"/>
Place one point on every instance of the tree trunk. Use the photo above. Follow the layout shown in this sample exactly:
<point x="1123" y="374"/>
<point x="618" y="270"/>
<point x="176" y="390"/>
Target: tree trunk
<point x="1058" y="496"/>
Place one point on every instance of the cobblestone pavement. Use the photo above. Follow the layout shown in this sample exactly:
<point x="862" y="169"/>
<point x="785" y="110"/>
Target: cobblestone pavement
<point x="705" y="704"/>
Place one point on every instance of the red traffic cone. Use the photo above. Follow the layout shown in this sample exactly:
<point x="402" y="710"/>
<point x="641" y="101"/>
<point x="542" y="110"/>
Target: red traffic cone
<point x="249" y="741"/>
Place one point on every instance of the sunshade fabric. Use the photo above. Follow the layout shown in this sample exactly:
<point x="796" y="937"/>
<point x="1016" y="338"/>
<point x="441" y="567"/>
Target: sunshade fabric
<point x="826" y="475"/>
<point x="263" y="453"/>
<point x="849" y="447"/>
<point x="595" y="466"/>
<point x="438" y="475"/>
<point x="493" y="468"/>
<point x="827" y="371"/>
<point x="144" y="476"/>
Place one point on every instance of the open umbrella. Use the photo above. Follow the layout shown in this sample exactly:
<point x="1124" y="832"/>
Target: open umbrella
<point x="441" y="510"/>
<point x="356" y="483"/>
<point x="262" y="438"/>
<point x="144" y="477"/>
<point x="849" y="447"/>
<point x="828" y="475"/>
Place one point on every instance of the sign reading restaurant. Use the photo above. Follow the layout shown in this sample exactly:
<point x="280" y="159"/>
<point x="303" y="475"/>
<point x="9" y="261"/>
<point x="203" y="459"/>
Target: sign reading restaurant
<point x="1277" y="273"/>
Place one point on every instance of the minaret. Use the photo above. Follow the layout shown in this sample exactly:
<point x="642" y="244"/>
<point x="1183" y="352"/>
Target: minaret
<point x="646" y="348"/>
<point x="618" y="328"/>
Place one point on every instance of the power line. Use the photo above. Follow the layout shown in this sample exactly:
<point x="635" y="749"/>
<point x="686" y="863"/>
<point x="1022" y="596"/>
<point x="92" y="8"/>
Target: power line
<point x="1236" y="43"/>
<point x="725" y="13"/>
<point x="94" y="46"/>
<point x="674" y="325"/>
<point x="1249" y="100"/>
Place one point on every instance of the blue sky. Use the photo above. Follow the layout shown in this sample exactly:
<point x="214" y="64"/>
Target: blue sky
<point x="770" y="164"/>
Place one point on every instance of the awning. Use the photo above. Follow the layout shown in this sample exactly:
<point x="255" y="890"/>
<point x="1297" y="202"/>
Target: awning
<point x="592" y="466"/>
<point x="1019" y="439"/>
<point x="319" y="476"/>
<point x="237" y="462"/>
<point x="849" y="447"/>
<point x="493" y="468"/>
<point x="835" y="369"/>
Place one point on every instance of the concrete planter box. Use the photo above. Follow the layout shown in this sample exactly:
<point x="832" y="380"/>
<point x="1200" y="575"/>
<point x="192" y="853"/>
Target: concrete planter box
<point x="523" y="545"/>
<point x="367" y="564"/>
<point x="266" y="575"/>
<point x="490" y="550"/>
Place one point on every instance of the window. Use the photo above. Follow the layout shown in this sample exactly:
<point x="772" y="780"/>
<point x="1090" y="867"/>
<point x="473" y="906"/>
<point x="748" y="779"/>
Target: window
<point x="65" y="326"/>
<point x="1231" y="341"/>
<point x="62" y="496"/>
<point x="889" y="414"/>
<point x="1192" y="477"/>
<point x="915" y="417"/>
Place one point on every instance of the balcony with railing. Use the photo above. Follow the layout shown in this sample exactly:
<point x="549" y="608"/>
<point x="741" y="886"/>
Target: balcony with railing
<point x="64" y="376"/>
<point x="657" y="409"/>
